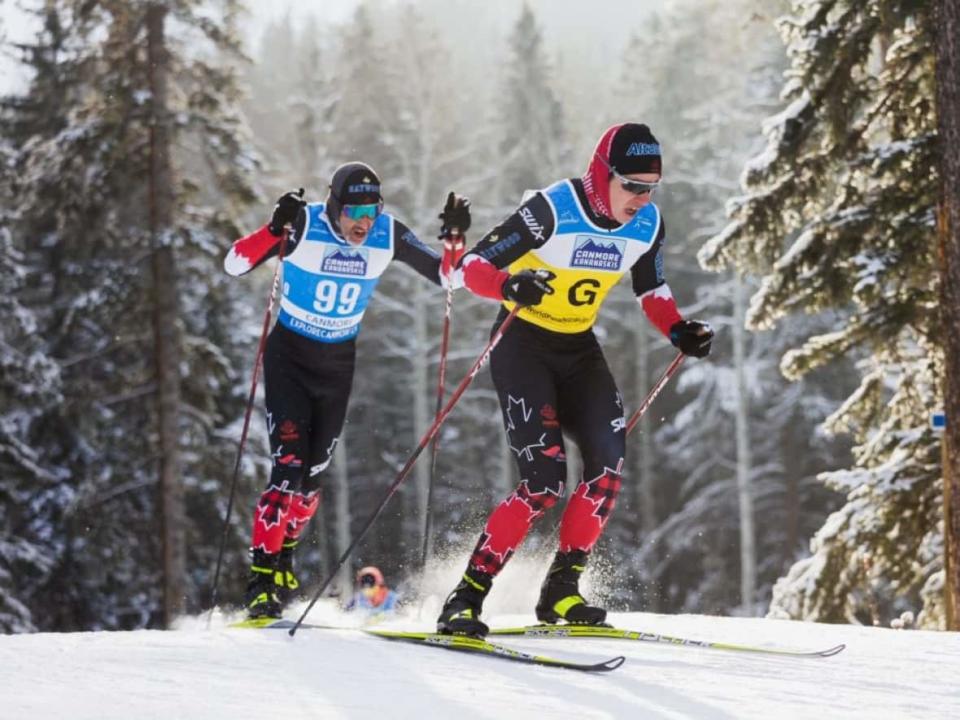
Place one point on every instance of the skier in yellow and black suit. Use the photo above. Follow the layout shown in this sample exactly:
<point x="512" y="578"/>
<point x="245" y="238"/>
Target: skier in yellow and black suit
<point x="558" y="255"/>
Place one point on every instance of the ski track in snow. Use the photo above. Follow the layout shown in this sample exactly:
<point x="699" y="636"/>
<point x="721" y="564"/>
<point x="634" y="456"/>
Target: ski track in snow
<point x="231" y="674"/>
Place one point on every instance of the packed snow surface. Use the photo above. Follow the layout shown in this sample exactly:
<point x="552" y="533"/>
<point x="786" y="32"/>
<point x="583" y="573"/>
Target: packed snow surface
<point x="222" y="673"/>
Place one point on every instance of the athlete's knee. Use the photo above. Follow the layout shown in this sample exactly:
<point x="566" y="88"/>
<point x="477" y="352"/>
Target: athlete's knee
<point x="290" y="474"/>
<point x="540" y="497"/>
<point x="289" y="449"/>
<point x="312" y="479"/>
<point x="546" y="478"/>
<point x="508" y="525"/>
<point x="603" y="454"/>
<point x="271" y="516"/>
<point x="602" y="484"/>
<point x="589" y="510"/>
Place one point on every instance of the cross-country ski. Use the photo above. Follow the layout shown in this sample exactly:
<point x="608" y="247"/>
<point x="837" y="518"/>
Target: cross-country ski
<point x="518" y="359"/>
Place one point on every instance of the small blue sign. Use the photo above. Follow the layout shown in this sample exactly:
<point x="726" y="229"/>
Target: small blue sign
<point x="938" y="421"/>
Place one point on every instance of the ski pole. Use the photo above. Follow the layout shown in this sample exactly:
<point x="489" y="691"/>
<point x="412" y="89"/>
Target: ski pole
<point x="442" y="372"/>
<point x="401" y="476"/>
<point x="246" y="422"/>
<point x="654" y="391"/>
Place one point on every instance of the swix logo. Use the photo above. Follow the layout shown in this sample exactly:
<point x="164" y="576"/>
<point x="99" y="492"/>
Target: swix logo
<point x="638" y="149"/>
<point x="618" y="424"/>
<point x="531" y="222"/>
<point x="481" y="362"/>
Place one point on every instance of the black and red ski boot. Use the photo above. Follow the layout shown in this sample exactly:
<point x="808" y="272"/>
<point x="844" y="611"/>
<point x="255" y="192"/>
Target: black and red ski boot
<point x="560" y="597"/>
<point x="288" y="587"/>
<point x="261" y="596"/>
<point x="461" y="612"/>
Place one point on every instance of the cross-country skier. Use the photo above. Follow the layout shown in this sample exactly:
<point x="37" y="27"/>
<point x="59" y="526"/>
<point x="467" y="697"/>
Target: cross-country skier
<point x="333" y="259"/>
<point x="557" y="256"/>
<point x="372" y="597"/>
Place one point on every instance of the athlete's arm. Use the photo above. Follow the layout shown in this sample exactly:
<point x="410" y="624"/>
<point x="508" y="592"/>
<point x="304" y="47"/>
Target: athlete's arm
<point x="651" y="289"/>
<point x="256" y="248"/>
<point x="408" y="249"/>
<point x="526" y="229"/>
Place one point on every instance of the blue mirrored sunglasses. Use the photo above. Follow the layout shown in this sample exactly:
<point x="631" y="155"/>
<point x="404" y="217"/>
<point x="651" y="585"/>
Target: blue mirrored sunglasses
<point x="358" y="212"/>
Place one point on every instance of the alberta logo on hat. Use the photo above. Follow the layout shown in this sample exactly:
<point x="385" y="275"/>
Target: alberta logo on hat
<point x="638" y="149"/>
<point x="635" y="150"/>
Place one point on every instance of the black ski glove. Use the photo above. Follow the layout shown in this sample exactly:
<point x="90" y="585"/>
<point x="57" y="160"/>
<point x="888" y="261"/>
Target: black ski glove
<point x="528" y="287"/>
<point x="692" y="337"/>
<point x="455" y="215"/>
<point x="285" y="212"/>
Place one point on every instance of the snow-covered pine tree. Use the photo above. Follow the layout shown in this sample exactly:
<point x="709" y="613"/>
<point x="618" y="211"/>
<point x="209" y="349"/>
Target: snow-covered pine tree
<point x="29" y="389"/>
<point x="694" y="547"/>
<point x="311" y="104"/>
<point x="214" y="171"/>
<point x="838" y="215"/>
<point x="84" y="205"/>
<point x="533" y="147"/>
<point x="434" y="156"/>
<point x="271" y="86"/>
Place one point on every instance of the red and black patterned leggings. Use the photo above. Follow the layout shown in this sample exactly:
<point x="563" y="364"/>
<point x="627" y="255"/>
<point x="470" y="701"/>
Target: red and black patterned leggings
<point x="550" y="383"/>
<point x="306" y="386"/>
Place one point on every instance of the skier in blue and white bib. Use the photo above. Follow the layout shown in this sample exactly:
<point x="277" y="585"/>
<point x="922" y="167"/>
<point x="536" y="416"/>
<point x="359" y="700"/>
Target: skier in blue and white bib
<point x="334" y="257"/>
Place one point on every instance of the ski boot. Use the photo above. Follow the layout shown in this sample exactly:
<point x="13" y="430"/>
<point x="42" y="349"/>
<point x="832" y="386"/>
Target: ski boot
<point x="461" y="611"/>
<point x="288" y="587"/>
<point x="261" y="596"/>
<point x="560" y="597"/>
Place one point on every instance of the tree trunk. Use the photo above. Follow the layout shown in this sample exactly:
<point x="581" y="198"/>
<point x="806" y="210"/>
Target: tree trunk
<point x="341" y="479"/>
<point x="422" y="416"/>
<point x="791" y="519"/>
<point x="748" y="552"/>
<point x="165" y="318"/>
<point x="947" y="23"/>
<point x="643" y="479"/>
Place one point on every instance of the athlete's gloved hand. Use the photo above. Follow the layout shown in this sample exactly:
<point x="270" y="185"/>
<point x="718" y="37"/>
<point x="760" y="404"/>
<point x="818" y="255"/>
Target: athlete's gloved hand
<point x="528" y="287"/>
<point x="285" y="211"/>
<point x="455" y="216"/>
<point x="692" y="337"/>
